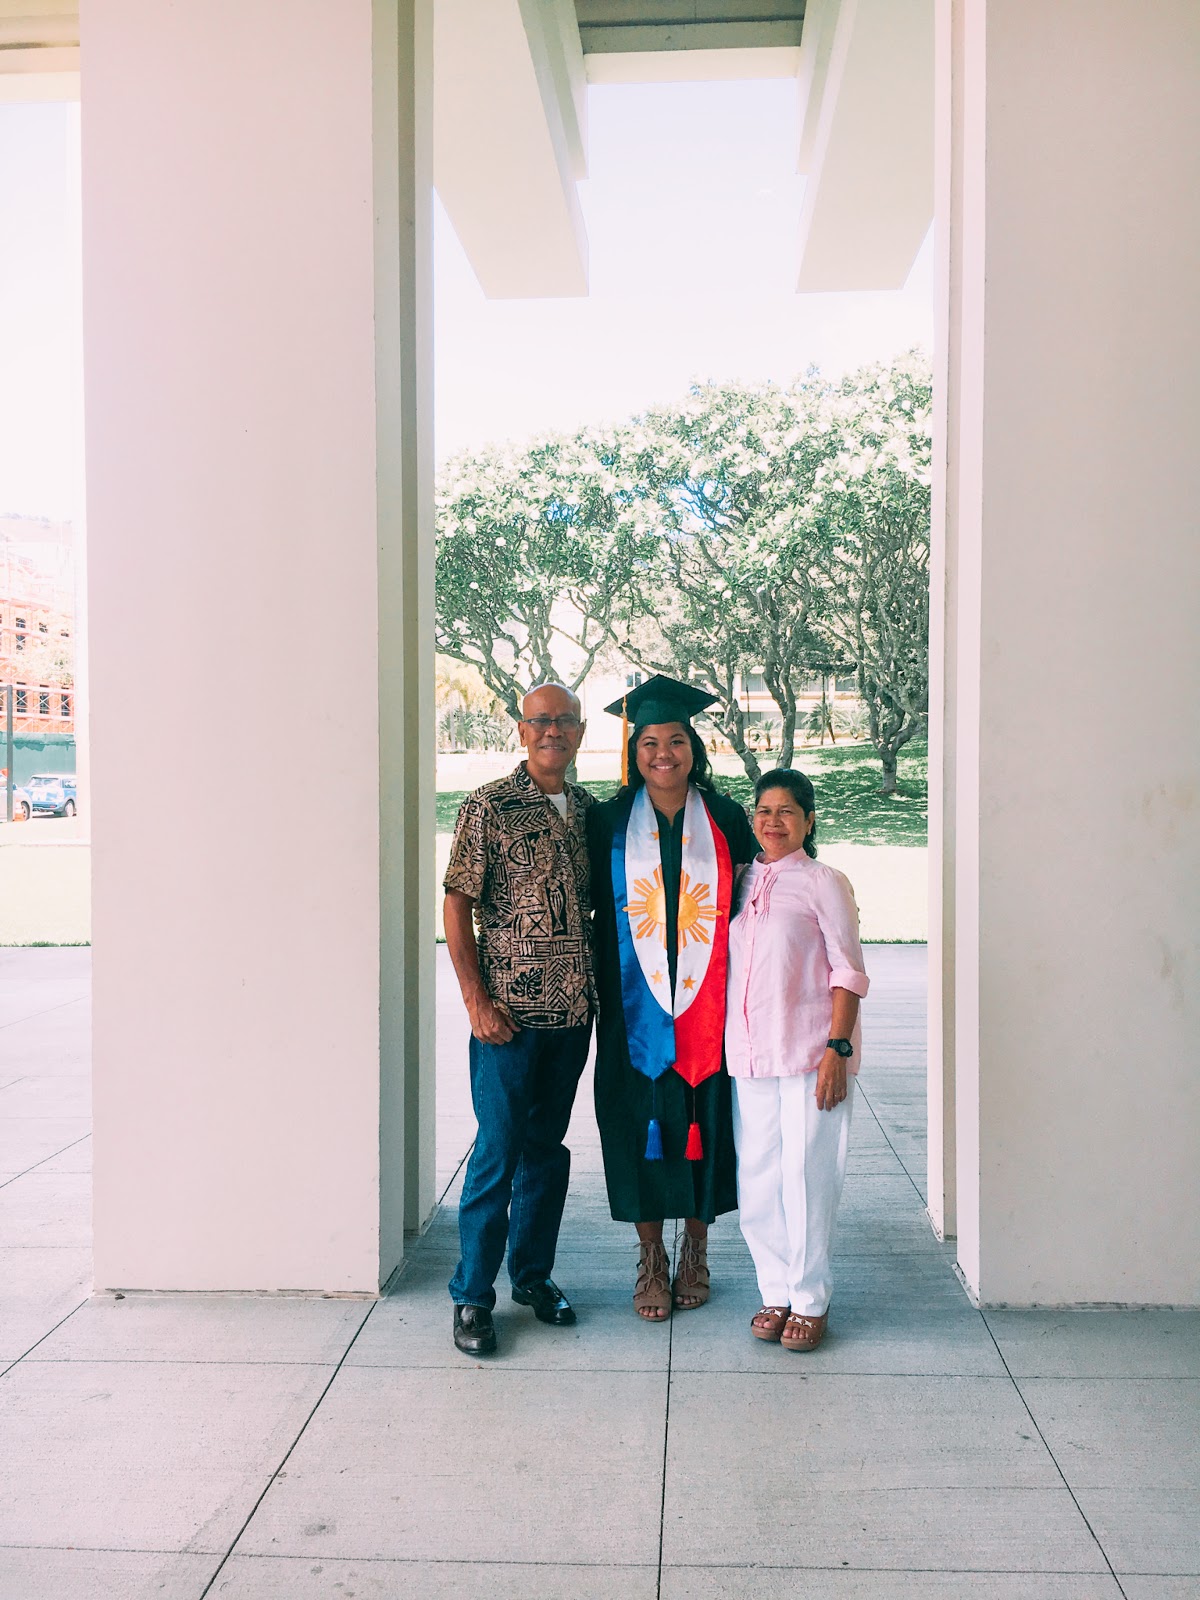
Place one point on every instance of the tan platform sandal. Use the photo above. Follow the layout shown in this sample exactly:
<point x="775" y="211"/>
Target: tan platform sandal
<point x="803" y="1333"/>
<point x="652" y="1291"/>
<point x="691" y="1273"/>
<point x="768" y="1323"/>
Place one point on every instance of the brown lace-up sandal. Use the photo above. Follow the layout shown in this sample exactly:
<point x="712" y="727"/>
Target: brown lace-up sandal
<point x="803" y="1333"/>
<point x="691" y="1273"/>
<point x="652" y="1291"/>
<point x="768" y="1323"/>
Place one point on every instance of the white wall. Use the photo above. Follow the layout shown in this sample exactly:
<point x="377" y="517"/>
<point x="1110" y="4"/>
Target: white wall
<point x="1077" y="576"/>
<point x="229" y="188"/>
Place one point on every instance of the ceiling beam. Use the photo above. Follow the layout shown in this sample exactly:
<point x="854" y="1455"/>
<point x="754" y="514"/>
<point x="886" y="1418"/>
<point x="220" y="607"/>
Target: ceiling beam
<point x="692" y="66"/>
<point x="866" y="142"/>
<point x="510" y="142"/>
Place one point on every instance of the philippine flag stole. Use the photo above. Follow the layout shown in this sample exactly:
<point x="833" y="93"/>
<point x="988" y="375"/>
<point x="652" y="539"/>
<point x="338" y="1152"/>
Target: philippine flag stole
<point x="684" y="1031"/>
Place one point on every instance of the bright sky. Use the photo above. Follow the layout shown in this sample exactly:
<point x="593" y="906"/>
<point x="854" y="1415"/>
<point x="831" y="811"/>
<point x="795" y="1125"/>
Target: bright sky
<point x="40" y="369"/>
<point x="691" y="204"/>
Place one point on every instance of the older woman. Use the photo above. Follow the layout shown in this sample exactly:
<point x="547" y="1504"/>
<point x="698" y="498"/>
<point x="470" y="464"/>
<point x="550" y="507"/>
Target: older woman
<point x="663" y="854"/>
<point x="792" y="1041"/>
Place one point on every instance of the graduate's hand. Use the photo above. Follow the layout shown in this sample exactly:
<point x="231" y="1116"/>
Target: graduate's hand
<point x="490" y="1021"/>
<point x="831" y="1081"/>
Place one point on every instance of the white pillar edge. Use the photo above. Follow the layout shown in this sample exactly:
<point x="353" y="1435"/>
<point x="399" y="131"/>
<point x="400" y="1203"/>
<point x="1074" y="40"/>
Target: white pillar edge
<point x="403" y="49"/>
<point x="942" y="1174"/>
<point x="964" y="31"/>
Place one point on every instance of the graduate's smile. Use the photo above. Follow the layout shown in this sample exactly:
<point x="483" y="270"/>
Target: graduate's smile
<point x="664" y="755"/>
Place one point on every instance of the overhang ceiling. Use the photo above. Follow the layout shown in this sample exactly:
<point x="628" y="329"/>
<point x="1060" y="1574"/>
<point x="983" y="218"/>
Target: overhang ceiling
<point x="39" y="50"/>
<point x="609" y="27"/>
<point x="510" y="117"/>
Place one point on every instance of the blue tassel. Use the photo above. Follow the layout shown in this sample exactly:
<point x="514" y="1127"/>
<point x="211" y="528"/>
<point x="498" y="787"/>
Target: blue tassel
<point x="654" y="1141"/>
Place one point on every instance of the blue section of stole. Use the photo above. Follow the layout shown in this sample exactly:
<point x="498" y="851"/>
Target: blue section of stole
<point x="649" y="1030"/>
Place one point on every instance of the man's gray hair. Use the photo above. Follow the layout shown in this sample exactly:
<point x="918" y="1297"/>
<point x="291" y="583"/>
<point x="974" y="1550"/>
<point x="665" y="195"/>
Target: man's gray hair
<point x="551" y="683"/>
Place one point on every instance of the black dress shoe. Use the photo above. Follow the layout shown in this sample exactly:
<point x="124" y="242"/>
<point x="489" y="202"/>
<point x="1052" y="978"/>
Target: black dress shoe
<point x="549" y="1303"/>
<point x="473" y="1331"/>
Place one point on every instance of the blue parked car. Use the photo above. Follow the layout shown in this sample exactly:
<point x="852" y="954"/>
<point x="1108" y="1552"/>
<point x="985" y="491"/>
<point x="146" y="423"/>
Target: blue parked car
<point x="52" y="794"/>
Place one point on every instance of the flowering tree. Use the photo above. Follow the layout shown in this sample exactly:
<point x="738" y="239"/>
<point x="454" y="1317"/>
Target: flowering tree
<point x="752" y="528"/>
<point x="534" y="547"/>
<point x="736" y="582"/>
<point x="795" y="542"/>
<point x="872" y="500"/>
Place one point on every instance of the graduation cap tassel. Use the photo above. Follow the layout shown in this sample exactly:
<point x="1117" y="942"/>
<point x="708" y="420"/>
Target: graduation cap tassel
<point x="625" y="742"/>
<point x="695" y="1145"/>
<point x="654" y="1149"/>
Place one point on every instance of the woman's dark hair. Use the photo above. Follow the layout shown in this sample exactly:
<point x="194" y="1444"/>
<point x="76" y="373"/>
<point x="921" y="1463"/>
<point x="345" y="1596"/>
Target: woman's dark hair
<point x="700" y="775"/>
<point x="801" y="790"/>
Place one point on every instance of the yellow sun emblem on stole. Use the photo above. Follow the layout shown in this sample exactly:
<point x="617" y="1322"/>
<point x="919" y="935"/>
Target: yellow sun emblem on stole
<point x="650" y="911"/>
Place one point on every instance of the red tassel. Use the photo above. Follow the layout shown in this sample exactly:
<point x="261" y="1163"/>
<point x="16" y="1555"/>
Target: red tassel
<point x="695" y="1148"/>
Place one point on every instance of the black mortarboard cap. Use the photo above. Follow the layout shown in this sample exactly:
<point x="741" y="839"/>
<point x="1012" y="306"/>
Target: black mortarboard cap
<point x="661" y="699"/>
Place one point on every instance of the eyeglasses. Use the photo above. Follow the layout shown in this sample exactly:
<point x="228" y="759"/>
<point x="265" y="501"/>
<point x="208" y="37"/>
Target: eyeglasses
<point x="567" y="724"/>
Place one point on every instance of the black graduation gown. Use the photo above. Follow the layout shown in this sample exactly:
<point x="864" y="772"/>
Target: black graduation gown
<point x="641" y="1190"/>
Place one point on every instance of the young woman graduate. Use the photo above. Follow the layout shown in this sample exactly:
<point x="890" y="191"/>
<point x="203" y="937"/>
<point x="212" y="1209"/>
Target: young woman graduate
<point x="663" y="854"/>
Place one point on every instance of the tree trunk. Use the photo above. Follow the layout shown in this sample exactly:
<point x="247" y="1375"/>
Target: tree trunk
<point x="735" y="733"/>
<point x="787" y="737"/>
<point x="888" y="758"/>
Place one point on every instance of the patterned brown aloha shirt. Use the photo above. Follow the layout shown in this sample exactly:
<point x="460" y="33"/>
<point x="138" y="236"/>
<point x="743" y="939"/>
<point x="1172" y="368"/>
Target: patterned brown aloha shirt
<point x="526" y="868"/>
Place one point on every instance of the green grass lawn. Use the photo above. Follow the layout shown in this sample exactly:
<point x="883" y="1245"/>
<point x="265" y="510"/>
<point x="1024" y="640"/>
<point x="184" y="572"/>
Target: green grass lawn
<point x="850" y="809"/>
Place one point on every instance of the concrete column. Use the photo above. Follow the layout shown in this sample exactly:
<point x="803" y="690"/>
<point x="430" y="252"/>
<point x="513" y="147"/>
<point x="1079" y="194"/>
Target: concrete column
<point x="256" y="315"/>
<point x="404" y="414"/>
<point x="1074" y="405"/>
<point x="943" y="624"/>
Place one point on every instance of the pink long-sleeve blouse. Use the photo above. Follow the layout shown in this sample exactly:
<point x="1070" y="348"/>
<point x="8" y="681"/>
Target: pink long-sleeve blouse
<point x="793" y="939"/>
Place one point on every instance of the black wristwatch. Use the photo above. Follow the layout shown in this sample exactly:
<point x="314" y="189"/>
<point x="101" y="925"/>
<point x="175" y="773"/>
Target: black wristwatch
<point x="843" y="1047"/>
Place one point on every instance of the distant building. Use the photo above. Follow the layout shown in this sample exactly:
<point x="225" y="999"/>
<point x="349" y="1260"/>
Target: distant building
<point x="602" y="688"/>
<point x="37" y="623"/>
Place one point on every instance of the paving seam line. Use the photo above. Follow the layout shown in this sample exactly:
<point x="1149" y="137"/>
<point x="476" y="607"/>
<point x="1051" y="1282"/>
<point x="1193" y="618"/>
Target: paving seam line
<point x="1046" y="1446"/>
<point x="53" y="1156"/>
<point x="287" y="1454"/>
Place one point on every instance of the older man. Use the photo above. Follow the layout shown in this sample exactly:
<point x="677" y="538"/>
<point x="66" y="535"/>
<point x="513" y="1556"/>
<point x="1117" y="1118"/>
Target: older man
<point x="517" y="925"/>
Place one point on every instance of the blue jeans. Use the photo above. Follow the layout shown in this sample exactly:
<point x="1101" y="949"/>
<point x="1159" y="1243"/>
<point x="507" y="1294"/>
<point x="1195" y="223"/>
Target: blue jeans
<point x="522" y="1092"/>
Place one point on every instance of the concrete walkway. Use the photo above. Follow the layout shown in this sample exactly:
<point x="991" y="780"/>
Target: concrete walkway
<point x="288" y="1449"/>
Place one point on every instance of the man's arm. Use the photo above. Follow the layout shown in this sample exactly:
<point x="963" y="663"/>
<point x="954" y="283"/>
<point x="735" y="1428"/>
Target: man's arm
<point x="490" y="1022"/>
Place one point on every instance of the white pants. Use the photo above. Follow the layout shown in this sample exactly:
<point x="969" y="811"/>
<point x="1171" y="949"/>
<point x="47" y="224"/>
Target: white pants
<point x="791" y="1163"/>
